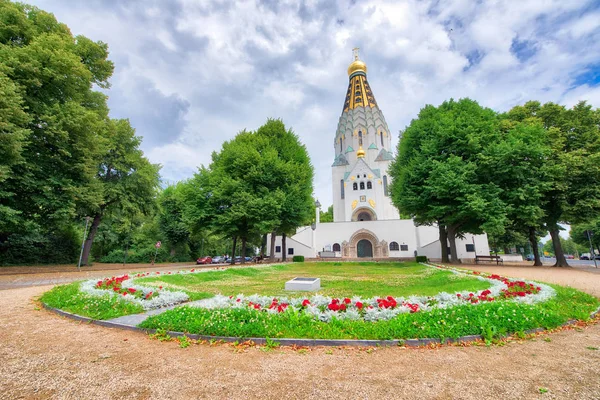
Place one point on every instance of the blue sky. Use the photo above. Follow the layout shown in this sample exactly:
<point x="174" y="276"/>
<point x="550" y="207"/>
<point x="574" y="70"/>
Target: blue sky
<point x="191" y="74"/>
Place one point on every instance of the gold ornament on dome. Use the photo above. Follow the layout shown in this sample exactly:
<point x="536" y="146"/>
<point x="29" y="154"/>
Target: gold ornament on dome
<point x="360" y="153"/>
<point x="370" y="176"/>
<point x="354" y="204"/>
<point x="352" y="178"/>
<point x="357" y="64"/>
<point x="372" y="203"/>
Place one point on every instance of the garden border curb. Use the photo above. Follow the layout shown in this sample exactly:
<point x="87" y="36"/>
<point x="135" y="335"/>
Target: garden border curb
<point x="299" y="342"/>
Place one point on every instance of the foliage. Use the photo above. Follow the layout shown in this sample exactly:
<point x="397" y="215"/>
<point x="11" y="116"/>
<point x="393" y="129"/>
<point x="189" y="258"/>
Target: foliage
<point x="574" y="164"/>
<point x="569" y="246"/>
<point x="440" y="174"/>
<point x="298" y="259"/>
<point x="488" y="319"/>
<point x="421" y="259"/>
<point x="326" y="216"/>
<point x="580" y="236"/>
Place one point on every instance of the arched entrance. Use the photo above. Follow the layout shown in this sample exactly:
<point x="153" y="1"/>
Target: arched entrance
<point x="364" y="243"/>
<point x="364" y="248"/>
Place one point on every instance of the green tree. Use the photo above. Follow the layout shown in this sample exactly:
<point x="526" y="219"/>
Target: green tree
<point x="291" y="175"/>
<point x="54" y="149"/>
<point x="172" y="224"/>
<point x="438" y="175"/>
<point x="518" y="165"/>
<point x="326" y="216"/>
<point x="574" y="137"/>
<point x="579" y="234"/>
<point x="127" y="180"/>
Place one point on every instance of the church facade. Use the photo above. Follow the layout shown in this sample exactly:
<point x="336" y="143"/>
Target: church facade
<point x="366" y="223"/>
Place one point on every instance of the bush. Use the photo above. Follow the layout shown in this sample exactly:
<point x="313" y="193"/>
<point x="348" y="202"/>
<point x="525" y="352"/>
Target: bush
<point x="298" y="259"/>
<point x="421" y="259"/>
<point x="144" y="255"/>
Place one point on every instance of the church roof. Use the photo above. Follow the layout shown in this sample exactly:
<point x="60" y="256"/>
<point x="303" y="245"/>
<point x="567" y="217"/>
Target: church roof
<point x="340" y="160"/>
<point x="384" y="155"/>
<point x="359" y="92"/>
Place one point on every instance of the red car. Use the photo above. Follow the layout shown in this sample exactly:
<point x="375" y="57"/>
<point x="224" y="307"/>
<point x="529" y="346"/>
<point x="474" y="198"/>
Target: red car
<point x="204" y="260"/>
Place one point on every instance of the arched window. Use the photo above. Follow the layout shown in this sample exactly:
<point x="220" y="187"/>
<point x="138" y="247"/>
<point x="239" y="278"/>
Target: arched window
<point x="381" y="136"/>
<point x="369" y="185"/>
<point x="385" y="187"/>
<point x="394" y="246"/>
<point x="355" y="186"/>
<point x="342" y="187"/>
<point x="336" y="247"/>
<point x="362" y="186"/>
<point x="360" y="138"/>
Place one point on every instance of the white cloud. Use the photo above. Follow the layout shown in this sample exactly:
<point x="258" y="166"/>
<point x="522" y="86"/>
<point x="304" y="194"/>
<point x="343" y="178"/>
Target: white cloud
<point x="231" y="65"/>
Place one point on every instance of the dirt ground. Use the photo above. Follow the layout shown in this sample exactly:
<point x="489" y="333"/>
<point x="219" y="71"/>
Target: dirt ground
<point x="43" y="355"/>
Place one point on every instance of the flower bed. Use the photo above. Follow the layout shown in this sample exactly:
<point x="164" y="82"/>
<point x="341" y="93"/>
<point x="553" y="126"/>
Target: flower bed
<point x="123" y="286"/>
<point x="325" y="309"/>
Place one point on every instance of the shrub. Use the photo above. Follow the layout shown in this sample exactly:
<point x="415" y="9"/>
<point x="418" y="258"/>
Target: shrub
<point x="298" y="259"/>
<point x="421" y="259"/>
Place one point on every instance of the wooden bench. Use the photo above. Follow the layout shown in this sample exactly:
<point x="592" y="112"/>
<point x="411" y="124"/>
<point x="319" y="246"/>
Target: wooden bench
<point x="497" y="259"/>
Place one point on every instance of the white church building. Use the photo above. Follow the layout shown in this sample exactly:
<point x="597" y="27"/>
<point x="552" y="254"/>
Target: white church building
<point x="366" y="223"/>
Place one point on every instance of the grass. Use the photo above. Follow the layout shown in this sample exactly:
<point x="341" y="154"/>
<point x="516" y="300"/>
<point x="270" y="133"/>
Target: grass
<point x="69" y="298"/>
<point x="365" y="279"/>
<point x="491" y="320"/>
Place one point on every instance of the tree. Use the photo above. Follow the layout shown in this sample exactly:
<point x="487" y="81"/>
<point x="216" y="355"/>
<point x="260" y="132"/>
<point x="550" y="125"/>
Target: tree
<point x="438" y="175"/>
<point x="171" y="222"/>
<point x="127" y="180"/>
<point x="52" y="124"/>
<point x="518" y="165"/>
<point x="574" y="165"/>
<point x="292" y="175"/>
<point x="586" y="233"/>
<point x="326" y="216"/>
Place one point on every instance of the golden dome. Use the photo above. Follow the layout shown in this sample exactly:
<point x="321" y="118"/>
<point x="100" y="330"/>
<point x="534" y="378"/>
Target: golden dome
<point x="360" y="153"/>
<point x="356" y="65"/>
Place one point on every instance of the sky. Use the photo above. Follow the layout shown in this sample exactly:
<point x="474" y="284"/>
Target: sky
<point x="191" y="74"/>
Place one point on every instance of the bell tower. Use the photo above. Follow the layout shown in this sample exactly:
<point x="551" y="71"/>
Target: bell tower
<point x="363" y="152"/>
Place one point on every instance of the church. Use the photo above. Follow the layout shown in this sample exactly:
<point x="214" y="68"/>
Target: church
<point x="366" y="223"/>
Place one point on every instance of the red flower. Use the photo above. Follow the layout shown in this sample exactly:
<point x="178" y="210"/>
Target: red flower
<point x="305" y="303"/>
<point x="347" y="300"/>
<point x="116" y="289"/>
<point x="160" y="287"/>
<point x="192" y="270"/>
<point x="238" y="300"/>
<point x="157" y="273"/>
<point x="457" y="294"/>
<point x="132" y="290"/>
<point x="359" y="305"/>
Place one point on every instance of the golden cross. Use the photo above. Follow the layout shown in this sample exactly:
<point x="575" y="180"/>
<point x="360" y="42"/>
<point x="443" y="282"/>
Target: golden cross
<point x="355" y="52"/>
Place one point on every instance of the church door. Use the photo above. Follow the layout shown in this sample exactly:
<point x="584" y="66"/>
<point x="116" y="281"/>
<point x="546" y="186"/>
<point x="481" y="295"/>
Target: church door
<point x="364" y="248"/>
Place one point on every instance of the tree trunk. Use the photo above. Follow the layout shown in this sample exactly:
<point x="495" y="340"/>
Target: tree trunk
<point x="561" y="261"/>
<point x="232" y="261"/>
<point x="87" y="248"/>
<point x="444" y="242"/>
<point x="283" y="249"/>
<point x="273" y="237"/>
<point x="534" y="247"/>
<point x="244" y="250"/>
<point x="263" y="246"/>
<point x="452" y="238"/>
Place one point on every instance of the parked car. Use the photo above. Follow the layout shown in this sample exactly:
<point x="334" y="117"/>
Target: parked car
<point x="569" y="256"/>
<point x="204" y="260"/>
<point x="585" y="256"/>
<point x="530" y="257"/>
<point x="218" y="259"/>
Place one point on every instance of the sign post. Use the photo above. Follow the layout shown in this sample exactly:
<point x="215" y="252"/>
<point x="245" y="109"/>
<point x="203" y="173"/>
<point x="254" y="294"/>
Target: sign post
<point x="157" y="245"/>
<point x="592" y="252"/>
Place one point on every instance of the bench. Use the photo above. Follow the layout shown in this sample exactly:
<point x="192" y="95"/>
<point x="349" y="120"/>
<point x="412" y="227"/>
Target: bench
<point x="496" y="259"/>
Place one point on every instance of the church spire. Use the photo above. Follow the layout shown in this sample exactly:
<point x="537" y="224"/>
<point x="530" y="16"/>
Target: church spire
<point x="359" y="92"/>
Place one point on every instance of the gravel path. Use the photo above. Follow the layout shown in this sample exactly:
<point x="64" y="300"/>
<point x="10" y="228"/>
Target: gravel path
<point x="46" y="356"/>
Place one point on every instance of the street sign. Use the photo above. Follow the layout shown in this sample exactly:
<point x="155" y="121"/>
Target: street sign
<point x="157" y="245"/>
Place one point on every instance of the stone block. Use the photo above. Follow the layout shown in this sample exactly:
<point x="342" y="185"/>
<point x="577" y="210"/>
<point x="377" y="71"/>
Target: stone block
<point x="303" y="284"/>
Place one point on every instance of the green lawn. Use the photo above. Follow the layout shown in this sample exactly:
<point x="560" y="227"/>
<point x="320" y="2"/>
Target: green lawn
<point x="365" y="279"/>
